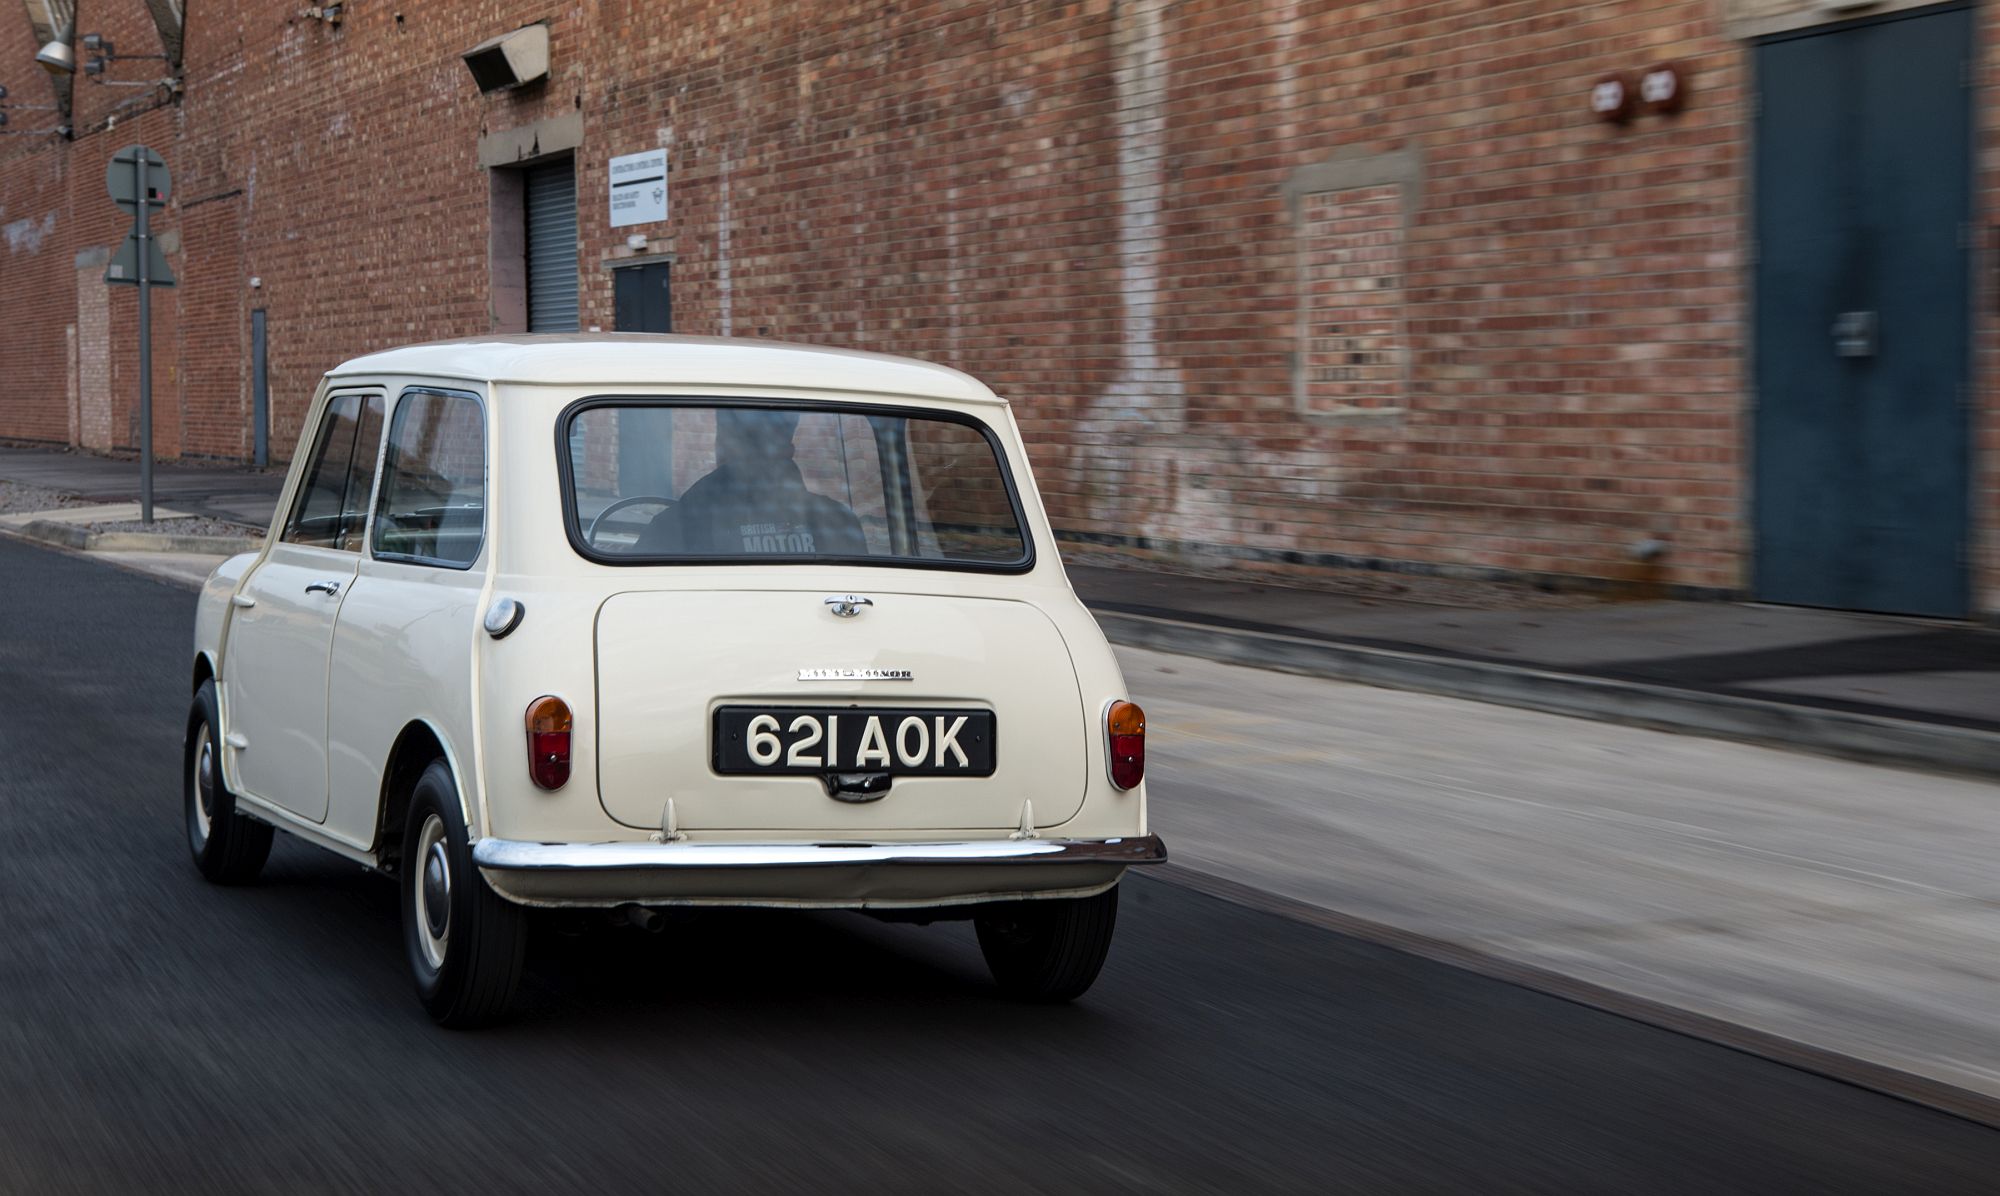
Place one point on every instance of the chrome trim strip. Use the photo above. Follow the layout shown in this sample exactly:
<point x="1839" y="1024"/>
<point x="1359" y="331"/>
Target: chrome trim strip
<point x="515" y="855"/>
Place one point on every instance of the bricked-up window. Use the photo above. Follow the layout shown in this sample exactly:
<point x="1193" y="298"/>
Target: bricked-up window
<point x="657" y="482"/>
<point x="433" y="505"/>
<point x="332" y="506"/>
<point x="1353" y="247"/>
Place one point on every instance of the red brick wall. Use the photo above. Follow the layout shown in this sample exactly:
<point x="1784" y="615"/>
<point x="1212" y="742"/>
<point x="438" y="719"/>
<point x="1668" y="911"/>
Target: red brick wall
<point x="36" y="259"/>
<point x="36" y="277"/>
<point x="1519" y="346"/>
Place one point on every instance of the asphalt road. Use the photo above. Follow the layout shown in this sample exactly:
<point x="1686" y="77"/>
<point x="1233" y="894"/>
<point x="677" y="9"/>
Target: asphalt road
<point x="158" y="1034"/>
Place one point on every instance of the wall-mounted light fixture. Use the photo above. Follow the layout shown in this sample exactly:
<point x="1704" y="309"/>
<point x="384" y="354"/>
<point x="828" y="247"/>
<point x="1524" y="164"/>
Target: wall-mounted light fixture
<point x="1659" y="90"/>
<point x="1611" y="99"/>
<point x="57" y="58"/>
<point x="103" y="55"/>
<point x="1663" y="89"/>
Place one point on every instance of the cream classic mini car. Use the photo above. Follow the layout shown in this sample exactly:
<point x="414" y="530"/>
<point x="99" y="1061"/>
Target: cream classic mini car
<point x="640" y="621"/>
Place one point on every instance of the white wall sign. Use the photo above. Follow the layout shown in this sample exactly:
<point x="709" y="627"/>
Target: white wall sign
<point x="639" y="188"/>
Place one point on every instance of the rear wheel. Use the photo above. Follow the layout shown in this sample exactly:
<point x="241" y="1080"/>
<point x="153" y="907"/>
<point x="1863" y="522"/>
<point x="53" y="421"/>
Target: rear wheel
<point x="227" y="847"/>
<point x="465" y="942"/>
<point x="1048" y="950"/>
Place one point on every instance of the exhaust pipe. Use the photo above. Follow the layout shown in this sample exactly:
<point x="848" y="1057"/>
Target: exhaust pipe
<point x="649" y="920"/>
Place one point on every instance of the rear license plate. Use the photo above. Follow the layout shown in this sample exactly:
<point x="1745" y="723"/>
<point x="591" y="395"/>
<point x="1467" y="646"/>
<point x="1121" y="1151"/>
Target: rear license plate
<point x="812" y="740"/>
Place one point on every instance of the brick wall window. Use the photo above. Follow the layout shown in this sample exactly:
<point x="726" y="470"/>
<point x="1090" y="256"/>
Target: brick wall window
<point x="1353" y="262"/>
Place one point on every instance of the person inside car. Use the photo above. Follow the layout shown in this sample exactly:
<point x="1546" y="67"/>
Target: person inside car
<point x="754" y="502"/>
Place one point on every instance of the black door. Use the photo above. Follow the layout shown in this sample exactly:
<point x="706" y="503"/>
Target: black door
<point x="1862" y="315"/>
<point x="641" y="298"/>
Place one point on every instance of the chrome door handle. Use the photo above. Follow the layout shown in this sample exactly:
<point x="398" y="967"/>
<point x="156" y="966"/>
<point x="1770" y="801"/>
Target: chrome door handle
<point x="847" y="605"/>
<point x="323" y="587"/>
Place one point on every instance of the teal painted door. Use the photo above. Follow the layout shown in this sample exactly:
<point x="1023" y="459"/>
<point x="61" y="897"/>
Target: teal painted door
<point x="1862" y="315"/>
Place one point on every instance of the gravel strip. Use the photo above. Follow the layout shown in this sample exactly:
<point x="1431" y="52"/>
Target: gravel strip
<point x="19" y="497"/>
<point x="193" y="525"/>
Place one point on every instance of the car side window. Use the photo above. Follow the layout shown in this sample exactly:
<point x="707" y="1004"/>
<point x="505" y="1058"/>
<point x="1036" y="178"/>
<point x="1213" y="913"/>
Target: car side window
<point x="332" y="506"/>
<point x="433" y="505"/>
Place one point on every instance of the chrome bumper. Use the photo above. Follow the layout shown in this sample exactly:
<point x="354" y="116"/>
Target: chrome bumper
<point x="816" y="875"/>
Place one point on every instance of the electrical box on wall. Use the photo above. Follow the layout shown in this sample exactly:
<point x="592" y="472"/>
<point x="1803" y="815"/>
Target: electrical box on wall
<point x="510" y="59"/>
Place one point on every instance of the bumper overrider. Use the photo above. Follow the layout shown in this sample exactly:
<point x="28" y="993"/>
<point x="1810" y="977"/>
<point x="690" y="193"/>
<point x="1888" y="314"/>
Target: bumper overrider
<point x="843" y="875"/>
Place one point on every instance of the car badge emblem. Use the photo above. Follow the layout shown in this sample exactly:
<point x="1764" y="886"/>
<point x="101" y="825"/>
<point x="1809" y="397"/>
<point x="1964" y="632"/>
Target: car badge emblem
<point x="847" y="605"/>
<point x="856" y="675"/>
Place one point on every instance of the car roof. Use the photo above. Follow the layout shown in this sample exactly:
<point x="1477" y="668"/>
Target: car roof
<point x="611" y="359"/>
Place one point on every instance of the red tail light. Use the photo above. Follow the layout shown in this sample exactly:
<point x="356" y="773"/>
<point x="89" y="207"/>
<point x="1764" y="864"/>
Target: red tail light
<point x="1125" y="737"/>
<point x="548" y="742"/>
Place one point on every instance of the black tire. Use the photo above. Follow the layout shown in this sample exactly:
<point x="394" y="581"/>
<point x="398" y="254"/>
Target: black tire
<point x="1048" y="950"/>
<point x="465" y="942"/>
<point x="228" y="848"/>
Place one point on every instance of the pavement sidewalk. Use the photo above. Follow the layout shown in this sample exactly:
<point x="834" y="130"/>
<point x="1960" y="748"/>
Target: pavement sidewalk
<point x="1917" y="692"/>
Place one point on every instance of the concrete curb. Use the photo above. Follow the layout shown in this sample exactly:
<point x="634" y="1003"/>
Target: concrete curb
<point x="1664" y="708"/>
<point x="67" y="535"/>
<point x="1910" y="1086"/>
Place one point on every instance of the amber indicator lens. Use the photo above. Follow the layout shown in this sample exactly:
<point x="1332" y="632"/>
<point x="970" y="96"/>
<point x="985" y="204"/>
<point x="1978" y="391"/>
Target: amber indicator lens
<point x="1125" y="734"/>
<point x="549" y="725"/>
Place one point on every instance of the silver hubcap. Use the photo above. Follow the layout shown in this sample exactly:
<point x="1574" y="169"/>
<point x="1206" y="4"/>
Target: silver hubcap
<point x="432" y="879"/>
<point x="204" y="784"/>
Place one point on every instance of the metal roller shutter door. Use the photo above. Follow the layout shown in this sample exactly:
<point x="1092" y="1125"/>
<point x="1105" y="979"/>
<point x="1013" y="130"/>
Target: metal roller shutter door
<point x="551" y="203"/>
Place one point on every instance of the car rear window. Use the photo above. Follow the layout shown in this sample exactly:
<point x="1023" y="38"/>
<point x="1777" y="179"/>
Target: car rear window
<point x="654" y="481"/>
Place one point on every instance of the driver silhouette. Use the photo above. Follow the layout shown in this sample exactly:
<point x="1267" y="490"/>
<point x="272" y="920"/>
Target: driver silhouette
<point x="754" y="502"/>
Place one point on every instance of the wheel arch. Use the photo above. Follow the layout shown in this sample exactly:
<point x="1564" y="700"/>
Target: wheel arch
<point x="204" y="670"/>
<point x="417" y="745"/>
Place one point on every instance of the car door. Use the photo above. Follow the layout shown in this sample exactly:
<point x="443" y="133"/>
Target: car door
<point x="275" y="663"/>
<point x="402" y="646"/>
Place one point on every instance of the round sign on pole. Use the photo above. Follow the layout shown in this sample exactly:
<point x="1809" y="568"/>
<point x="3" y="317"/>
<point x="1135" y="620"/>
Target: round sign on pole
<point x="121" y="177"/>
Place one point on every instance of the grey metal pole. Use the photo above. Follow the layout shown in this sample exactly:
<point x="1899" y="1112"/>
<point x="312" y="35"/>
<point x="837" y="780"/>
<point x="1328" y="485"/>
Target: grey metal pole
<point x="260" y="390"/>
<point x="145" y="343"/>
